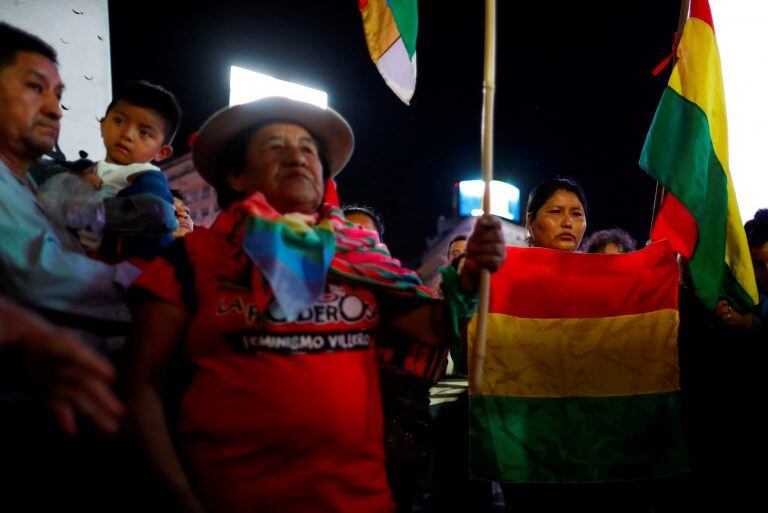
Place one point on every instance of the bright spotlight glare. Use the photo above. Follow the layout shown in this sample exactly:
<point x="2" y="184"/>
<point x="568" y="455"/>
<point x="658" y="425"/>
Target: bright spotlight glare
<point x="742" y="40"/>
<point x="246" y="86"/>
<point x="505" y="199"/>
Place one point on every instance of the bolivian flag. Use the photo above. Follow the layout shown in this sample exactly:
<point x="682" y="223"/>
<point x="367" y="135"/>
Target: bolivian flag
<point x="687" y="152"/>
<point x="390" y="30"/>
<point x="581" y="377"/>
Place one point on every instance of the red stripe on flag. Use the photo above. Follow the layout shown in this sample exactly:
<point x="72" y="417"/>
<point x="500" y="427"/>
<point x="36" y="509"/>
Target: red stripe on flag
<point x="675" y="223"/>
<point x="363" y="4"/>
<point x="548" y="284"/>
<point x="700" y="9"/>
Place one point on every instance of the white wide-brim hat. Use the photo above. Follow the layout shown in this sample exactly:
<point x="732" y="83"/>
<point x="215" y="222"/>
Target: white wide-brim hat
<point x="326" y="125"/>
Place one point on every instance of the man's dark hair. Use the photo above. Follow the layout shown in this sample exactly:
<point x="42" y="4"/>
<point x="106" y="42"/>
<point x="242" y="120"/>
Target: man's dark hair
<point x="14" y="40"/>
<point x="757" y="229"/>
<point x="368" y="212"/>
<point x="601" y="239"/>
<point x="231" y="159"/>
<point x="547" y="188"/>
<point x="457" y="238"/>
<point x="153" y="97"/>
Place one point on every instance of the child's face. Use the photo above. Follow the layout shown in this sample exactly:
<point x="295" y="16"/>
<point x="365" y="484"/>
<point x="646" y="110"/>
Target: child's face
<point x="133" y="135"/>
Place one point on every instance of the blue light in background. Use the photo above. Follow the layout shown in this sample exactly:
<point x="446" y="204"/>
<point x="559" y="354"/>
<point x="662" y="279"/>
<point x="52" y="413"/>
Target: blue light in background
<point x="505" y="199"/>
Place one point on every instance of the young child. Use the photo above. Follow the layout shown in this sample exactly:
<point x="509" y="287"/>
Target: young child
<point x="137" y="129"/>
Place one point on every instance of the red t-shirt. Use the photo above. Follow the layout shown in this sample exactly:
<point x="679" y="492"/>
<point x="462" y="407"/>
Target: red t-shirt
<point x="280" y="416"/>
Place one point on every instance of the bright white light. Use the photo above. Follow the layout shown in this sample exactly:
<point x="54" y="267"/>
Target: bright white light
<point x="740" y="28"/>
<point x="246" y="86"/>
<point x="505" y="199"/>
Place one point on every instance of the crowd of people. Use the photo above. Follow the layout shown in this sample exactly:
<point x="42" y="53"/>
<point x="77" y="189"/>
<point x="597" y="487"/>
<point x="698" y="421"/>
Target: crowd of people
<point x="281" y="360"/>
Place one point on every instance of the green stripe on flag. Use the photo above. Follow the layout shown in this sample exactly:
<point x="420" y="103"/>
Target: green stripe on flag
<point x="679" y="154"/>
<point x="576" y="439"/>
<point x="406" y="14"/>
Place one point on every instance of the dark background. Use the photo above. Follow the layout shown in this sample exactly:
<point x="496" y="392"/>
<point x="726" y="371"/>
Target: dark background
<point x="575" y="94"/>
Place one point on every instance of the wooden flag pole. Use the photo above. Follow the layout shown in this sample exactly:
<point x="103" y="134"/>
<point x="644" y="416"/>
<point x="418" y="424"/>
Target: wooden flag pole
<point x="489" y="88"/>
<point x="658" y="198"/>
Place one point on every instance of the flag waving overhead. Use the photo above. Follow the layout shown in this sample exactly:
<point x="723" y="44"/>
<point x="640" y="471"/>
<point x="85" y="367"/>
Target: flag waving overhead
<point x="581" y="380"/>
<point x="390" y="29"/>
<point x="686" y="151"/>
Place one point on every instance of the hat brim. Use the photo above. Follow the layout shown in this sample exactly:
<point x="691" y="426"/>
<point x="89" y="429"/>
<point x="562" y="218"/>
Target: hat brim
<point x="326" y="125"/>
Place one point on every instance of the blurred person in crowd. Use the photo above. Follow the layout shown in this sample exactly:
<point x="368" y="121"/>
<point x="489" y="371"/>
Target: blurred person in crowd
<point x="183" y="215"/>
<point x="457" y="247"/>
<point x="754" y="321"/>
<point x="610" y="242"/>
<point x="452" y="490"/>
<point x="407" y="369"/>
<point x="365" y="217"/>
<point x="70" y="377"/>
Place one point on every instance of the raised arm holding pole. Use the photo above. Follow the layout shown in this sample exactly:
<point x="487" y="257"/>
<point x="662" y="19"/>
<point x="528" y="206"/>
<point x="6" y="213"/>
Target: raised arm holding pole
<point x="489" y="87"/>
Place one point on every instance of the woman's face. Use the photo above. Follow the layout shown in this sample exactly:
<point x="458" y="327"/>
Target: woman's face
<point x="283" y="163"/>
<point x="559" y="223"/>
<point x="183" y="216"/>
<point x="760" y="263"/>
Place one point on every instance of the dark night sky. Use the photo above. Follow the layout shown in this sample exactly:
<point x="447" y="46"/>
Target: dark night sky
<point x="575" y="94"/>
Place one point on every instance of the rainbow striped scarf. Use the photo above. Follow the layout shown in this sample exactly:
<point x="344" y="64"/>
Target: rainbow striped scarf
<point x="296" y="252"/>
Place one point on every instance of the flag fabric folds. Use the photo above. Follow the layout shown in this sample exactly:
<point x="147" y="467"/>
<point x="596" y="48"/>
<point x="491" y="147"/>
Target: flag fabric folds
<point x="391" y="27"/>
<point x="296" y="252"/>
<point x="686" y="151"/>
<point x="581" y="377"/>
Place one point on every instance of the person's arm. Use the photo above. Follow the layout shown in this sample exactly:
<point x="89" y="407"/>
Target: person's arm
<point x="750" y="322"/>
<point x="143" y="209"/>
<point x="158" y="328"/>
<point x="63" y="371"/>
<point x="433" y="323"/>
<point x="35" y="268"/>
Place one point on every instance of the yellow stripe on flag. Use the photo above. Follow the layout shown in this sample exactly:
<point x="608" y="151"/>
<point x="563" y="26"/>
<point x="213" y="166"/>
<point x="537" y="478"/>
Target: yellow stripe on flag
<point x="586" y="357"/>
<point x="380" y="28"/>
<point x="697" y="77"/>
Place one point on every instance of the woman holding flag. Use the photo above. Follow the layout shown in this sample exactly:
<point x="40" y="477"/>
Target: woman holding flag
<point x="578" y="407"/>
<point x="277" y="307"/>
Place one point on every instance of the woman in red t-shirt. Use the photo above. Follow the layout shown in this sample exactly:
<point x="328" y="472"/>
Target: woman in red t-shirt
<point x="276" y="308"/>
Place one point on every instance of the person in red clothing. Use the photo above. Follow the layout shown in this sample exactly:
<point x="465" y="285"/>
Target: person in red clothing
<point x="277" y="307"/>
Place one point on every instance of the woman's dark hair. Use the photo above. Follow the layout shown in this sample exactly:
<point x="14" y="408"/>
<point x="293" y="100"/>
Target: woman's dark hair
<point x="599" y="240"/>
<point x="757" y="229"/>
<point x="542" y="192"/>
<point x="232" y="160"/>
<point x="368" y="212"/>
